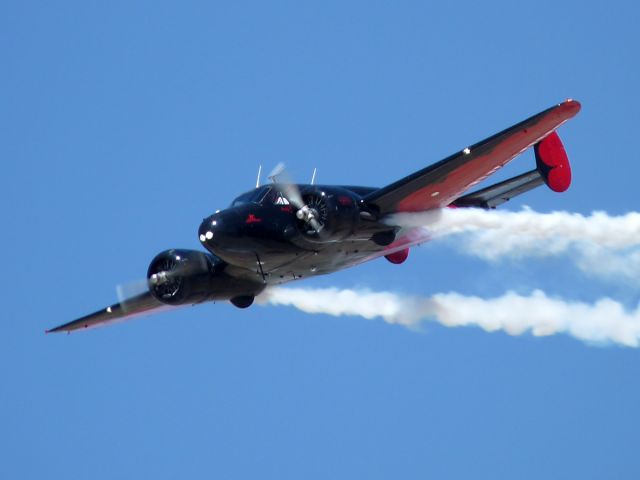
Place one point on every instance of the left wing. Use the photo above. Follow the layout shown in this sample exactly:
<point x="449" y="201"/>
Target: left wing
<point x="444" y="182"/>
<point x="136" y="306"/>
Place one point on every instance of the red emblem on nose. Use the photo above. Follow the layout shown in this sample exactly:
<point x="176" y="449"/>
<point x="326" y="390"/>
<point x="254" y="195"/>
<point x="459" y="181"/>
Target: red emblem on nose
<point x="252" y="219"/>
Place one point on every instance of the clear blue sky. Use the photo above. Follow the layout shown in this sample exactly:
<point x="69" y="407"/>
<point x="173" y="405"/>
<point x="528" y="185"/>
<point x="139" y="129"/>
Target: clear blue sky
<point x="125" y="123"/>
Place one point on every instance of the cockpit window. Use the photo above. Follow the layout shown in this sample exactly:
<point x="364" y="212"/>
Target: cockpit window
<point x="242" y="199"/>
<point x="280" y="199"/>
<point x="263" y="196"/>
<point x="275" y="197"/>
<point x="254" y="196"/>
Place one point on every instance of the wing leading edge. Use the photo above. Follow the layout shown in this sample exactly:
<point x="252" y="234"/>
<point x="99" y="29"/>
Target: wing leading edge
<point x="136" y="306"/>
<point x="444" y="182"/>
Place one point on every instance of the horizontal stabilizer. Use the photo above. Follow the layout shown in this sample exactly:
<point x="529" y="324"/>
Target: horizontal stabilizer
<point x="499" y="193"/>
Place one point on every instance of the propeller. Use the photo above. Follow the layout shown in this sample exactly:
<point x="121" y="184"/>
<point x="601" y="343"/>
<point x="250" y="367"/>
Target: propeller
<point x="129" y="290"/>
<point x="280" y="176"/>
<point x="164" y="283"/>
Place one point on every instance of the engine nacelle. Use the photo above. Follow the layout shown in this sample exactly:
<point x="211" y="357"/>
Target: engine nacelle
<point x="178" y="277"/>
<point x="335" y="209"/>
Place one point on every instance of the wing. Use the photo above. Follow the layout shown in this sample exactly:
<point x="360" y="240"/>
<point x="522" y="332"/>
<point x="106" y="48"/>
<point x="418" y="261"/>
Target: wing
<point x="136" y="306"/>
<point x="444" y="182"/>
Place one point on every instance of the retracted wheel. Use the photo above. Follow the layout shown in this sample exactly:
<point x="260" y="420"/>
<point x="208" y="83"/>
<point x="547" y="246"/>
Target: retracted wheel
<point x="242" y="301"/>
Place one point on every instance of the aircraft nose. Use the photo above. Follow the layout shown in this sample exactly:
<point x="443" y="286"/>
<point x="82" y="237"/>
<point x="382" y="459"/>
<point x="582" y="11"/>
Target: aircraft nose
<point x="215" y="229"/>
<point x="205" y="232"/>
<point x="210" y="228"/>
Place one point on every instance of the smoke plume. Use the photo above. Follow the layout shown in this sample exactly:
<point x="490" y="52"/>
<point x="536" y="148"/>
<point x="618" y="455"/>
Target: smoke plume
<point x="603" y="322"/>
<point x="600" y="244"/>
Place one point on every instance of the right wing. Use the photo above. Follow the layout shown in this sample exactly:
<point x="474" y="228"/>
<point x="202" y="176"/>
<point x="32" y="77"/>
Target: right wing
<point x="442" y="183"/>
<point x="139" y="305"/>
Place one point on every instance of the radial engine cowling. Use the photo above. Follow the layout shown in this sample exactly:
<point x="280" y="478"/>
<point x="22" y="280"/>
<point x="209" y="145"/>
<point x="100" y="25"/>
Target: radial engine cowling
<point x="178" y="277"/>
<point x="336" y="211"/>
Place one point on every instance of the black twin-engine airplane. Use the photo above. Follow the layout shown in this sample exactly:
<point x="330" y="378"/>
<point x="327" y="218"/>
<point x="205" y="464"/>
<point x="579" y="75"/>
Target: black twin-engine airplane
<point x="281" y="232"/>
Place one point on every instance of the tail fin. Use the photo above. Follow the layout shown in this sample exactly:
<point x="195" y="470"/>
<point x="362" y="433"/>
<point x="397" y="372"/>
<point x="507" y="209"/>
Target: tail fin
<point x="552" y="168"/>
<point x="552" y="162"/>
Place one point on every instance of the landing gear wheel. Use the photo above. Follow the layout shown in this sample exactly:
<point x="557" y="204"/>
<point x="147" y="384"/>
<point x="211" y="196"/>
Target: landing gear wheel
<point x="243" y="301"/>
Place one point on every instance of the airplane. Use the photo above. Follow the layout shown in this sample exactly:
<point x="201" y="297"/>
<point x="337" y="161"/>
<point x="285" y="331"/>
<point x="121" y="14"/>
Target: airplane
<point x="280" y="232"/>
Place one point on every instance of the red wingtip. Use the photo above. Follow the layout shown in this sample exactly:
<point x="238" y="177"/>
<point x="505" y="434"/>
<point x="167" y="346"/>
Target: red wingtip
<point x="572" y="105"/>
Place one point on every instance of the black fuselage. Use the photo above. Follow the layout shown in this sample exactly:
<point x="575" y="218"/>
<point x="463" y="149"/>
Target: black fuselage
<point x="260" y="233"/>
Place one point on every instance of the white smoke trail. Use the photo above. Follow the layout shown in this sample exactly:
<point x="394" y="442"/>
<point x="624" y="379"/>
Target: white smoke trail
<point x="602" y="245"/>
<point x="605" y="321"/>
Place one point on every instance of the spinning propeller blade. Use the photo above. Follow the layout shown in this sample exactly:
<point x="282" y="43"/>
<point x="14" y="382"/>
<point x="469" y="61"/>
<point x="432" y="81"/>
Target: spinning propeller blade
<point x="280" y="176"/>
<point x="129" y="290"/>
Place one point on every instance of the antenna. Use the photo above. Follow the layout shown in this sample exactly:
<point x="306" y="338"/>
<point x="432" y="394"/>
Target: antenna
<point x="259" y="172"/>
<point x="313" y="177"/>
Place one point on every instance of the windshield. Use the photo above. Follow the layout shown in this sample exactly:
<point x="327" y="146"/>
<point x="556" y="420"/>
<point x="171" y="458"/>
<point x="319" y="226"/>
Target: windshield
<point x="262" y="195"/>
<point x="254" y="196"/>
